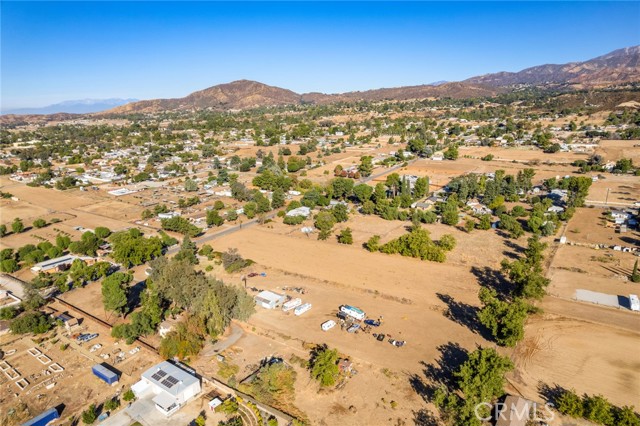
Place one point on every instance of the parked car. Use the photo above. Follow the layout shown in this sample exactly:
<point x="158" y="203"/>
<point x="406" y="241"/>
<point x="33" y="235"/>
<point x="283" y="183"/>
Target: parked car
<point x="354" y="328"/>
<point x="379" y="337"/>
<point x="372" y="323"/>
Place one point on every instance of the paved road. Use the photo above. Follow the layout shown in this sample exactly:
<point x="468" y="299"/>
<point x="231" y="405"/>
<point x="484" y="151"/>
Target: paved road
<point x="389" y="170"/>
<point x="227" y="231"/>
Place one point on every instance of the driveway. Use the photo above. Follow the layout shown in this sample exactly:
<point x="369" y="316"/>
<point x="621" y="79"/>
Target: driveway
<point x="221" y="345"/>
<point x="144" y="411"/>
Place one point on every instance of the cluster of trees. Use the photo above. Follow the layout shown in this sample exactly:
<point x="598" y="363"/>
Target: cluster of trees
<point x="596" y="409"/>
<point x="510" y="187"/>
<point x="181" y="225"/>
<point x="417" y="243"/>
<point x="208" y="305"/>
<point x="323" y="365"/>
<point x="505" y="314"/>
<point x="480" y="379"/>
<point x="131" y="248"/>
<point x="273" y="385"/>
<point x="27" y="255"/>
<point x="31" y="322"/>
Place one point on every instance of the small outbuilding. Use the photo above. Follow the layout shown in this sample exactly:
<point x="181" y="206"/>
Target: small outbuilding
<point x="269" y="300"/>
<point x="514" y="411"/>
<point x="43" y="419"/>
<point x="105" y="373"/>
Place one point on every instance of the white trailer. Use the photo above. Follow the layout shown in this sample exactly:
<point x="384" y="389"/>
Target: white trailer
<point x="354" y="312"/>
<point x="291" y="304"/>
<point x="634" y="302"/>
<point x="328" y="325"/>
<point x="302" y="309"/>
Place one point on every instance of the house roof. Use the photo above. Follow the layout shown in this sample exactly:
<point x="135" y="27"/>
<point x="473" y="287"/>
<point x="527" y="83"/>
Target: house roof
<point x="269" y="296"/>
<point x="515" y="412"/>
<point x="170" y="378"/>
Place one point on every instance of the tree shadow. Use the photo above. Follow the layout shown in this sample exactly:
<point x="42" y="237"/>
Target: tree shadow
<point x="134" y="297"/>
<point x="551" y="394"/>
<point x="492" y="278"/>
<point x="513" y="246"/>
<point x="452" y="356"/>
<point x="465" y="315"/>
<point x="424" y="417"/>
<point x="630" y="240"/>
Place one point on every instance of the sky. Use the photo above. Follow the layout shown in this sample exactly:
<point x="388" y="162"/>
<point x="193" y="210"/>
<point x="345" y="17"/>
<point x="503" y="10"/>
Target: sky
<point x="57" y="51"/>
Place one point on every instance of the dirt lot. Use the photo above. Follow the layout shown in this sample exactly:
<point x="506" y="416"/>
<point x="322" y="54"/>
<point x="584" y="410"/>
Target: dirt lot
<point x="75" y="386"/>
<point x="571" y="353"/>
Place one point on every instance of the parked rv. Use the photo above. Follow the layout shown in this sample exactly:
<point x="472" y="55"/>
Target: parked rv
<point x="291" y="304"/>
<point x="634" y="302"/>
<point x="302" y="309"/>
<point x="354" y="312"/>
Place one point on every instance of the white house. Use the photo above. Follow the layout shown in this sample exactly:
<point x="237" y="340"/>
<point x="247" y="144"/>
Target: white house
<point x="300" y="211"/>
<point x="172" y="386"/>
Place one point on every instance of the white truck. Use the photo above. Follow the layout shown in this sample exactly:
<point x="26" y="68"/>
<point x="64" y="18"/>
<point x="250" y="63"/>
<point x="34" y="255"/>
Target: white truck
<point x="302" y="309"/>
<point x="634" y="302"/>
<point x="291" y="304"/>
<point x="354" y="312"/>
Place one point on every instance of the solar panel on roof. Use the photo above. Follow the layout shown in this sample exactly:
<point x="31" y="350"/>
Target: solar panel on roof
<point x="158" y="375"/>
<point x="169" y="382"/>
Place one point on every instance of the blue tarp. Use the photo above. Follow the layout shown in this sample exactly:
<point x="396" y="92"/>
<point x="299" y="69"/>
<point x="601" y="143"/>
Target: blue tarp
<point x="43" y="419"/>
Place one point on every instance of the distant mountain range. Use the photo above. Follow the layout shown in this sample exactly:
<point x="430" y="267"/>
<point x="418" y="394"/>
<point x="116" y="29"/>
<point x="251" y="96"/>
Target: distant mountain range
<point x="83" y="106"/>
<point x="618" y="67"/>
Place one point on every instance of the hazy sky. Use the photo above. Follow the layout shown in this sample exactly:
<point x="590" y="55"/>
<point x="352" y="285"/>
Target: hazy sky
<point x="53" y="51"/>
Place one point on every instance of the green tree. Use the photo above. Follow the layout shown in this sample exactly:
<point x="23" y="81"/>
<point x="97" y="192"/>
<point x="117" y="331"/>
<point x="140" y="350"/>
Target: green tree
<point x="3" y="230"/>
<point x="102" y="232"/>
<point x="90" y="415"/>
<point x="345" y="236"/>
<point x="39" y="223"/>
<point x="9" y="265"/>
<point x="481" y="377"/>
<point x="114" y="292"/>
<point x="250" y="209"/>
<point x="451" y="153"/>
<point x="506" y="320"/>
<point x="373" y="244"/>
<point x="214" y="218"/>
<point x="188" y="251"/>
<point x="112" y="404"/>
<point x="129" y="396"/>
<point x="340" y="212"/>
<point x="31" y="322"/>
<point x="449" y="211"/>
<point x="190" y="185"/>
<point x="598" y="410"/>
<point x="17" y="226"/>
<point x="485" y="222"/>
<point x="421" y="187"/>
<point x="447" y="242"/>
<point x="366" y="166"/>
<point x="324" y="222"/>
<point x="626" y="416"/>
<point x="570" y="404"/>
<point x="277" y="198"/>
<point x="324" y="366"/>
<point x="635" y="275"/>
<point x="362" y="192"/>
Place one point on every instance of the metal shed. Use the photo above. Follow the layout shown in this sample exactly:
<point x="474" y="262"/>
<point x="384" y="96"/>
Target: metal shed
<point x="105" y="374"/>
